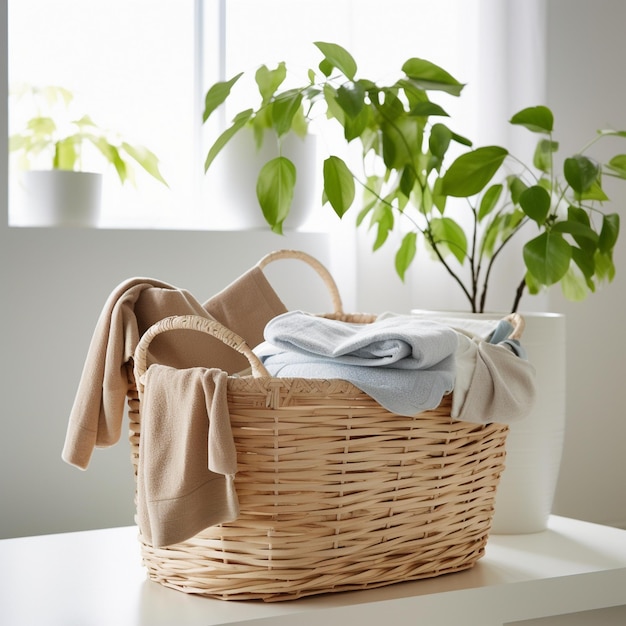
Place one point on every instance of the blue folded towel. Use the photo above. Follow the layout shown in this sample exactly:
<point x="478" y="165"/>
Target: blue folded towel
<point x="406" y="364"/>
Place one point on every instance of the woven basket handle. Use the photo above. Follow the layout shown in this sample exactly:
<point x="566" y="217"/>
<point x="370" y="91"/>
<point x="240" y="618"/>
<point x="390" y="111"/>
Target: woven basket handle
<point x="325" y="275"/>
<point x="200" y="324"/>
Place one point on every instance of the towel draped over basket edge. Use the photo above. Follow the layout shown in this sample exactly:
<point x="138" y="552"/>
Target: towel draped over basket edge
<point x="245" y="306"/>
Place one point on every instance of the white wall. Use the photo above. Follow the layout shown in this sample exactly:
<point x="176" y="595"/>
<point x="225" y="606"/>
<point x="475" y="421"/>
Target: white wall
<point x="586" y="90"/>
<point x="54" y="283"/>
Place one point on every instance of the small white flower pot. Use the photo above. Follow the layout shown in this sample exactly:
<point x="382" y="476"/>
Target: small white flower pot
<point x="61" y="198"/>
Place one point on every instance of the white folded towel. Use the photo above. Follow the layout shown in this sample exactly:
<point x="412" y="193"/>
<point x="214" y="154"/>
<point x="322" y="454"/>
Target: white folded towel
<point x="406" y="364"/>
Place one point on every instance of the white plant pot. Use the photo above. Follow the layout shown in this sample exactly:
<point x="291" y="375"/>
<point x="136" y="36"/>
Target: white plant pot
<point x="61" y="198"/>
<point x="237" y="168"/>
<point x="535" y="444"/>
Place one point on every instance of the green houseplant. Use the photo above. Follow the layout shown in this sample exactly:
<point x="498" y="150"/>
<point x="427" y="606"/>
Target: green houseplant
<point x="58" y="151"/>
<point x="416" y="169"/>
<point x="53" y="139"/>
<point x="252" y="152"/>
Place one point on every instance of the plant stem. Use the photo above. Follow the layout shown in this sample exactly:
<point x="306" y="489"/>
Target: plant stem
<point x="474" y="267"/>
<point x="518" y="295"/>
<point x="471" y="298"/>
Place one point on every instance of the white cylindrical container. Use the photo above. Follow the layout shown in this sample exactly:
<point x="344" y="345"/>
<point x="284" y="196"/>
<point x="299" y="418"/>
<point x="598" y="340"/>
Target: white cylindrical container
<point x="535" y="444"/>
<point x="61" y="198"/>
<point x="237" y="168"/>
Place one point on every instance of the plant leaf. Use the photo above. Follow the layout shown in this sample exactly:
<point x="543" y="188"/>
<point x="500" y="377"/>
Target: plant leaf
<point x="382" y="218"/>
<point x="531" y="283"/>
<point x="588" y="238"/>
<point x="284" y="108"/>
<point x="355" y="126"/>
<point x="427" y="75"/>
<point x="338" y="184"/>
<point x="609" y="233"/>
<point x="406" y="254"/>
<point x="439" y="140"/>
<point x="580" y="172"/>
<point x="41" y="125"/>
<point x="583" y="234"/>
<point x="351" y="98"/>
<point x="84" y="122"/>
<point x="217" y="94"/>
<point x="491" y="235"/>
<point x="400" y="142"/>
<point x="439" y="200"/>
<point x="516" y="186"/>
<point x="333" y="108"/>
<point x="337" y="57"/>
<point x="542" y="158"/>
<point x="446" y="231"/>
<point x="426" y="109"/>
<point x="617" y="166"/>
<point x="489" y="201"/>
<point x="65" y="154"/>
<point x="146" y="159"/>
<point x="595" y="192"/>
<point x="274" y="190"/>
<point x="471" y="172"/>
<point x="112" y="155"/>
<point x="239" y="122"/>
<point x="613" y="133"/>
<point x="535" y="202"/>
<point x="574" y="286"/>
<point x="464" y="141"/>
<point x="605" y="268"/>
<point x="547" y="257"/>
<point x="268" y="81"/>
<point x="407" y="181"/>
<point x="585" y="262"/>
<point x="537" y="119"/>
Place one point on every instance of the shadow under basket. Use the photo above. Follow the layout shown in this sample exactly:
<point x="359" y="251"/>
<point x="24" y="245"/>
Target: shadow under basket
<point x="336" y="493"/>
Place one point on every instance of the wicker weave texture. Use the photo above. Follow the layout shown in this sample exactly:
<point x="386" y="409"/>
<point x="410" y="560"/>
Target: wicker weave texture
<point x="337" y="493"/>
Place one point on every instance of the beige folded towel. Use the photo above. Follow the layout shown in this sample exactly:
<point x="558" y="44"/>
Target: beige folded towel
<point x="187" y="456"/>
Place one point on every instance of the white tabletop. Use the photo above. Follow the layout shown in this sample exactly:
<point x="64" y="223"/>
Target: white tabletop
<point x="95" y="578"/>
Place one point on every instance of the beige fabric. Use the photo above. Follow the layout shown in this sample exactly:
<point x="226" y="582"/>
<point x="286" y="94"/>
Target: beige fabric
<point x="501" y="389"/>
<point x="133" y="306"/>
<point x="246" y="306"/>
<point x="187" y="456"/>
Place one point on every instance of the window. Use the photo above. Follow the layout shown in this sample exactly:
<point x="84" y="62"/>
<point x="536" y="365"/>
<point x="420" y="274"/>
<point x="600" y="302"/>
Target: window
<point x="142" y="67"/>
<point x="130" y="65"/>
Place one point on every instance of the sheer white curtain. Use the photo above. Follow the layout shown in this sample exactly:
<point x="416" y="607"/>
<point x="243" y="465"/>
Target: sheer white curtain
<point x="498" y="49"/>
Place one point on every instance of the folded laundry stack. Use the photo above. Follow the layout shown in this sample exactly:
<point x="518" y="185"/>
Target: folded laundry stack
<point x="406" y="363"/>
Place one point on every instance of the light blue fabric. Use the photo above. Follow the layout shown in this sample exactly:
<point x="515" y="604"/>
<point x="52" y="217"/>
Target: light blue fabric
<point x="500" y="336"/>
<point x="406" y="364"/>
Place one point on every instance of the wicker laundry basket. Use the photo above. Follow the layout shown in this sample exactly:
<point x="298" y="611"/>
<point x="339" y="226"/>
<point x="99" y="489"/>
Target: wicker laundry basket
<point x="335" y="492"/>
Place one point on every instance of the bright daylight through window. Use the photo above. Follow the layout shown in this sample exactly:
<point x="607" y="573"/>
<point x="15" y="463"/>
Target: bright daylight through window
<point x="139" y="70"/>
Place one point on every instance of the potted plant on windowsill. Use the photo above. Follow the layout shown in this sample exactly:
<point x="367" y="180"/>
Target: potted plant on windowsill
<point x="51" y="150"/>
<point x="465" y="205"/>
<point x="273" y="155"/>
